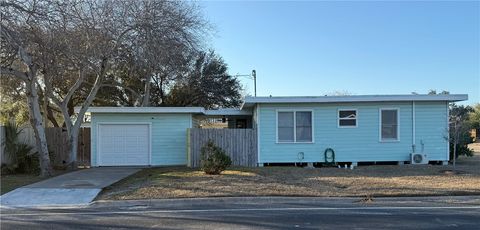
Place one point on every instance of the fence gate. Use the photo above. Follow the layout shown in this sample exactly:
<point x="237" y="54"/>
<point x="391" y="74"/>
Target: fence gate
<point x="57" y="140"/>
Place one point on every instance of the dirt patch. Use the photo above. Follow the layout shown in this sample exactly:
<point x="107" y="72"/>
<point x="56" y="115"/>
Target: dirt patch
<point x="364" y="181"/>
<point x="452" y="172"/>
<point x="475" y="147"/>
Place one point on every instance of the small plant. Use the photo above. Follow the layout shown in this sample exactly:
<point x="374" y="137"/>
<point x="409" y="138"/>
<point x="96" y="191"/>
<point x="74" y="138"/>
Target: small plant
<point x="213" y="159"/>
<point x="22" y="159"/>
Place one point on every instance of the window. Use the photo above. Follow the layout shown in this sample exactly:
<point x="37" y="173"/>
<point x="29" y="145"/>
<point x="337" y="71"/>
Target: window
<point x="286" y="132"/>
<point x="304" y="126"/>
<point x="347" y="118"/>
<point x="294" y="126"/>
<point x="389" y="124"/>
<point x="241" y="124"/>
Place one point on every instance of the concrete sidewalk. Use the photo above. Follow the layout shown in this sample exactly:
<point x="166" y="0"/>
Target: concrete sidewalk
<point x="75" y="188"/>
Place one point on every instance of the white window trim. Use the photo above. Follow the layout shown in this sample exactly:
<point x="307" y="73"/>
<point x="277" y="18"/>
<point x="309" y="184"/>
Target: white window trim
<point x="98" y="138"/>
<point x="347" y="126"/>
<point x="380" y="125"/>
<point x="294" y="126"/>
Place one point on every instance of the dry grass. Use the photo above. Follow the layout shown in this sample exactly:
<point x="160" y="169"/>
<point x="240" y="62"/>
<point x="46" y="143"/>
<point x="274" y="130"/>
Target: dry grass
<point x="11" y="182"/>
<point x="376" y="180"/>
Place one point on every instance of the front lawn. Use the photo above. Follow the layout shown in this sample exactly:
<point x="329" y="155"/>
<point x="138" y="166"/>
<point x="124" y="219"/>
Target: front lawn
<point x="11" y="182"/>
<point x="375" y="180"/>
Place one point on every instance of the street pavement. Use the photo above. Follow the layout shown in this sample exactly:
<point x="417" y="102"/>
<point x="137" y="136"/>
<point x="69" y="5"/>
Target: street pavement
<point x="256" y="213"/>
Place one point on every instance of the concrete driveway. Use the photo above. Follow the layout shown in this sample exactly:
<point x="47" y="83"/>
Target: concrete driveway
<point x="75" y="188"/>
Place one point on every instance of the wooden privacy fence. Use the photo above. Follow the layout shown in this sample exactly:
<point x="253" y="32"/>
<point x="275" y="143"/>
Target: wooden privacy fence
<point x="239" y="144"/>
<point x="57" y="140"/>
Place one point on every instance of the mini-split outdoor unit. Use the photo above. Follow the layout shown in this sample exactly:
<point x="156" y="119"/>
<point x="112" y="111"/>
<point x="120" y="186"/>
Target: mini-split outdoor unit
<point x="418" y="159"/>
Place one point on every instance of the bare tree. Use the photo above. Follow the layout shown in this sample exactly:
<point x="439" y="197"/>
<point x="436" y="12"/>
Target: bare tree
<point x="84" y="40"/>
<point x="18" y="62"/>
<point x="167" y="35"/>
<point x="77" y="47"/>
<point x="91" y="42"/>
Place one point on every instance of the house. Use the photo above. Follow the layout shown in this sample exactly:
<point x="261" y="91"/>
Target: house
<point x="369" y="128"/>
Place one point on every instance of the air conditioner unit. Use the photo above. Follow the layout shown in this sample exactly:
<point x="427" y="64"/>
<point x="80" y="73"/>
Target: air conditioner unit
<point x="418" y="159"/>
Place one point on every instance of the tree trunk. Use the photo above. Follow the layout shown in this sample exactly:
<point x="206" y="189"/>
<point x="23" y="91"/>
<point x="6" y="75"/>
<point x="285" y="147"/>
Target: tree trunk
<point x="51" y="117"/>
<point x="162" y="94"/>
<point x="73" y="145"/>
<point x="74" y="128"/>
<point x="37" y="125"/>
<point x="146" y="97"/>
<point x="454" y="153"/>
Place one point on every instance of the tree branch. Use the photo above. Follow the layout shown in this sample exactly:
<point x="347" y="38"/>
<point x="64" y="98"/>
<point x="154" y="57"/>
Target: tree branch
<point x="116" y="84"/>
<point x="74" y="88"/>
<point x="9" y="71"/>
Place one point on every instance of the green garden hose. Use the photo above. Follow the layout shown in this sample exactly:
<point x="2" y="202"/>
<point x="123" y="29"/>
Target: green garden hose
<point x="329" y="156"/>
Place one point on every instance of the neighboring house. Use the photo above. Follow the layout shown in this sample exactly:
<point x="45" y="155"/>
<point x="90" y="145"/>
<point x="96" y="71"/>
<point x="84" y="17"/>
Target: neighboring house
<point x="371" y="128"/>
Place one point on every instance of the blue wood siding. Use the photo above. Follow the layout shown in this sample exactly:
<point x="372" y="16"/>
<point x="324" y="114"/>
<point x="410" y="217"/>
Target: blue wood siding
<point x="360" y="144"/>
<point x="432" y="129"/>
<point x="168" y="134"/>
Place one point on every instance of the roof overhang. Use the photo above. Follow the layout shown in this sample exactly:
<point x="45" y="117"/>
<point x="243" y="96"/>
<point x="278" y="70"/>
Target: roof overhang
<point x="228" y="112"/>
<point x="190" y="110"/>
<point x="251" y="101"/>
<point x="194" y="110"/>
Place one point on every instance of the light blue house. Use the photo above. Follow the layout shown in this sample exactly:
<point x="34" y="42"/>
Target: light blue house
<point x="357" y="128"/>
<point x="372" y="128"/>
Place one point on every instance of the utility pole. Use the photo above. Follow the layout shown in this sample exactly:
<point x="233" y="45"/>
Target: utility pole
<point x="250" y="76"/>
<point x="254" y="75"/>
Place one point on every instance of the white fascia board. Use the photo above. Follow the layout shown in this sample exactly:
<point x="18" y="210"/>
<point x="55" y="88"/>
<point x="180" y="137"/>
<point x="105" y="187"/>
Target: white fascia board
<point x="199" y="110"/>
<point x="250" y="101"/>
<point x="228" y="112"/>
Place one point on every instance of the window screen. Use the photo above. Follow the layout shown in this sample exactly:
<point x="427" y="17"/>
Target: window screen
<point x="285" y="127"/>
<point x="295" y="126"/>
<point x="389" y="129"/>
<point x="304" y="126"/>
<point x="347" y="118"/>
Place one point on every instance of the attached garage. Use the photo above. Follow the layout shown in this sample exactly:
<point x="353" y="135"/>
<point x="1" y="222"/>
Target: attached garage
<point x="140" y="136"/>
<point x="123" y="144"/>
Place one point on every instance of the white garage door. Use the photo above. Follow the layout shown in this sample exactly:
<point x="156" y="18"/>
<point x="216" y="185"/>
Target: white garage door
<point x="123" y="144"/>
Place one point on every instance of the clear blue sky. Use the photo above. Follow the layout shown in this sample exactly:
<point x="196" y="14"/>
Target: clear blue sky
<point x="315" y="48"/>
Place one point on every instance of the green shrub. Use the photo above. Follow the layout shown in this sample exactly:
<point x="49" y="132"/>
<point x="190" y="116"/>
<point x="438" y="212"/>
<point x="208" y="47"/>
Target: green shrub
<point x="213" y="159"/>
<point x="22" y="159"/>
<point x="460" y="127"/>
<point x="7" y="169"/>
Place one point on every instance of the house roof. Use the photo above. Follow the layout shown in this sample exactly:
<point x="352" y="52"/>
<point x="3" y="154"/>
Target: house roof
<point x="251" y="101"/>
<point x="192" y="110"/>
<point x="228" y="112"/>
<point x="199" y="110"/>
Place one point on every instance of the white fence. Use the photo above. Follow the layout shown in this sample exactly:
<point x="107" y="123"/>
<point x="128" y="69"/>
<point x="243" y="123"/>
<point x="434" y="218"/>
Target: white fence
<point x="3" y="158"/>
<point x="26" y="136"/>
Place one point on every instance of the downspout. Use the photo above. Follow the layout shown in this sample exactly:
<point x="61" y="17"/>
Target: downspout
<point x="448" y="132"/>
<point x="413" y="127"/>
<point x="257" y="108"/>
